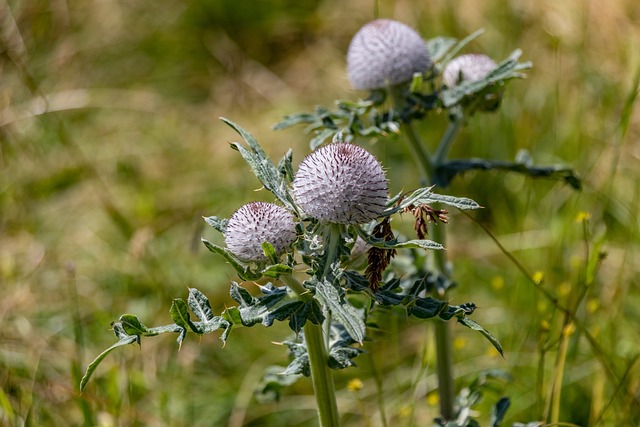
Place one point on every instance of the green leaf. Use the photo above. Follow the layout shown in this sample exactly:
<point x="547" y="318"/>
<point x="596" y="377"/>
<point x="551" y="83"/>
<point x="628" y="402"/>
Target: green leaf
<point x="285" y="166"/>
<point x="275" y="304"/>
<point x="181" y="336"/>
<point x="287" y="311"/>
<point x="476" y="327"/>
<point x="244" y="272"/>
<point x="309" y="310"/>
<point x="241" y="295"/>
<point x="219" y="224"/>
<point x="394" y="244"/>
<point x="342" y="357"/>
<point x="270" y="252"/>
<point x="499" y="411"/>
<point x="200" y="305"/>
<point x="294" y="119"/>
<point x="93" y="365"/>
<point x="424" y="196"/>
<point x="299" y="364"/>
<point x="422" y="244"/>
<point x="462" y="43"/>
<point x="506" y="70"/>
<point x="321" y="137"/>
<point x="276" y="270"/>
<point x="426" y="308"/>
<point x="439" y="46"/>
<point x="232" y="315"/>
<point x="180" y="314"/>
<point x="273" y="381"/>
<point x="461" y="203"/>
<point x="132" y="325"/>
<point x="262" y="166"/>
<point x="343" y="312"/>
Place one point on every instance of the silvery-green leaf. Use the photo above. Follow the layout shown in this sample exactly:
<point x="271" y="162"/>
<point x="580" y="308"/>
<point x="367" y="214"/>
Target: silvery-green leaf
<point x="262" y="166"/>
<point x="93" y="365"/>
<point x="219" y="224"/>
<point x="342" y="312"/>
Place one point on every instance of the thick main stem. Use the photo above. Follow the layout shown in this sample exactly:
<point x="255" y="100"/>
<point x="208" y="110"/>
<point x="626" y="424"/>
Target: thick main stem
<point x="321" y="377"/>
<point x="444" y="365"/>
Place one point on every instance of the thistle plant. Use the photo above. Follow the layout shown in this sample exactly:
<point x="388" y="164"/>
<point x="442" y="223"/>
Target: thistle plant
<point x="408" y="78"/>
<point x="336" y="202"/>
<point x="336" y="205"/>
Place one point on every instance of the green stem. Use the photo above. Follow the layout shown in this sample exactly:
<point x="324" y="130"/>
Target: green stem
<point x="321" y="377"/>
<point x="331" y="246"/>
<point x="444" y="366"/>
<point x="418" y="151"/>
<point x="331" y="249"/>
<point x="447" y="139"/>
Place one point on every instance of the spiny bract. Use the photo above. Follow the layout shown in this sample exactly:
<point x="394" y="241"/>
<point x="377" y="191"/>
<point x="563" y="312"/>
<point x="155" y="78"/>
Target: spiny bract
<point x="341" y="183"/>
<point x="255" y="223"/>
<point x="385" y="52"/>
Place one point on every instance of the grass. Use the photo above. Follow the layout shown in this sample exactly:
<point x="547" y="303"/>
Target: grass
<point x="110" y="153"/>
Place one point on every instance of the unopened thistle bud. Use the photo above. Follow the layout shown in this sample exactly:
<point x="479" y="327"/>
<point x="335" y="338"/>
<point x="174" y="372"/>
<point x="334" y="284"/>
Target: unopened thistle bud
<point x="471" y="67"/>
<point x="341" y="183"/>
<point x="385" y="53"/>
<point x="256" y="223"/>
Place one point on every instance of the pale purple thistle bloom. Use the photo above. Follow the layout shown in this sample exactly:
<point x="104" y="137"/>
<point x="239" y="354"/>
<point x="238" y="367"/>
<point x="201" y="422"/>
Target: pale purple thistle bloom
<point x="341" y="183"/>
<point x="470" y="67"/>
<point x="255" y="223"/>
<point x="385" y="52"/>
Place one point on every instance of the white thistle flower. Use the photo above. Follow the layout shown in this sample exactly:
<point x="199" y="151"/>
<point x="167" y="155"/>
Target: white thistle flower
<point x="255" y="223"/>
<point x="341" y="183"/>
<point x="471" y="67"/>
<point x="385" y="52"/>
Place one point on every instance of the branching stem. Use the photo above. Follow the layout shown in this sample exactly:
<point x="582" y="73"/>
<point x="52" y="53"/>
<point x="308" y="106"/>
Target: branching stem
<point x="417" y="148"/>
<point x="447" y="139"/>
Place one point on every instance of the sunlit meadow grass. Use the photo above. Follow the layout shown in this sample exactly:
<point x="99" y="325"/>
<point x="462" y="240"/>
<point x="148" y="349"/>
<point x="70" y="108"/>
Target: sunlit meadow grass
<point x="111" y="152"/>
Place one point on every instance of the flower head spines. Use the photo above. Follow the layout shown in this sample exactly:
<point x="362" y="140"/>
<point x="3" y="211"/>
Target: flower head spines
<point x="385" y="52"/>
<point x="341" y="183"/>
<point x="470" y="67"/>
<point x="256" y="223"/>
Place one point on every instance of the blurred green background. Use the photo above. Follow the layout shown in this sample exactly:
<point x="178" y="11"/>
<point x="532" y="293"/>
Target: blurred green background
<point x="111" y="151"/>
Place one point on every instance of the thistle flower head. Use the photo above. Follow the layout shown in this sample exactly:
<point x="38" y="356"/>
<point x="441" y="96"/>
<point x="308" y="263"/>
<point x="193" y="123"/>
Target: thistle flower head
<point x="471" y="67"/>
<point x="341" y="183"/>
<point x="385" y="52"/>
<point x="255" y="223"/>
